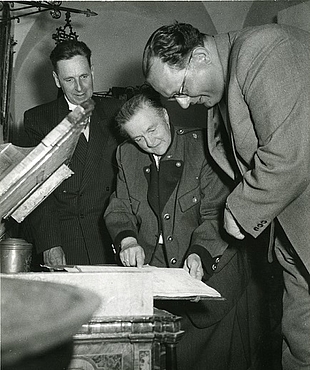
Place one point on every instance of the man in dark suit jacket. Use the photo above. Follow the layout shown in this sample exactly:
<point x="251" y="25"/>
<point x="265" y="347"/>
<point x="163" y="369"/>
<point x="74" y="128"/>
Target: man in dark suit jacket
<point x="68" y="227"/>
<point x="256" y="84"/>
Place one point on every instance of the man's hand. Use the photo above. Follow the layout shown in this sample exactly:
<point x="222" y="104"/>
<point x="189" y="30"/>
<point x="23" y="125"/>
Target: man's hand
<point x="231" y="226"/>
<point x="193" y="266"/>
<point x="132" y="254"/>
<point x="54" y="256"/>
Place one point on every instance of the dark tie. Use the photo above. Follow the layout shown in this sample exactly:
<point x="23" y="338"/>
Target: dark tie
<point x="81" y="148"/>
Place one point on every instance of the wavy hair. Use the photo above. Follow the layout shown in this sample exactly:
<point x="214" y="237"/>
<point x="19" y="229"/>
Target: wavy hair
<point x="68" y="49"/>
<point x="171" y="44"/>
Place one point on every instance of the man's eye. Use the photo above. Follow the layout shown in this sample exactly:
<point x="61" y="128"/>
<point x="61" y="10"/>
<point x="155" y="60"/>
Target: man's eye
<point x="137" y="140"/>
<point x="69" y="79"/>
<point x="85" y="76"/>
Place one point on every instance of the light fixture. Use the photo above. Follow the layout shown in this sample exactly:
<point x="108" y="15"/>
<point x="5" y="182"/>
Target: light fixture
<point x="54" y="7"/>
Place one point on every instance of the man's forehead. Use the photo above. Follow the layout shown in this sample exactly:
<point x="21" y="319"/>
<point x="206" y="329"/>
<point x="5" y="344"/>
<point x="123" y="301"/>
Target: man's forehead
<point x="74" y="62"/>
<point x="164" y="78"/>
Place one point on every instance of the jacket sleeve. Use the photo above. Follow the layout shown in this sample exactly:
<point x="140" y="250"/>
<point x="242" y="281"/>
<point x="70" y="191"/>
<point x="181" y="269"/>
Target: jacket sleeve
<point x="208" y="238"/>
<point x="44" y="225"/>
<point x="32" y="129"/>
<point x="276" y="91"/>
<point x="43" y="222"/>
<point x="120" y="215"/>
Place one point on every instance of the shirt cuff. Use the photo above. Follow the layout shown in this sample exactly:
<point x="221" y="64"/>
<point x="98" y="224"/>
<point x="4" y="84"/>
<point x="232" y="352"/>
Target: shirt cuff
<point x="119" y="237"/>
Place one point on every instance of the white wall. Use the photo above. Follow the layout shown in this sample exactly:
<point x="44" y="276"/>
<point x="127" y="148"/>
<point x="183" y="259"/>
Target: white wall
<point x="117" y="36"/>
<point x="298" y="16"/>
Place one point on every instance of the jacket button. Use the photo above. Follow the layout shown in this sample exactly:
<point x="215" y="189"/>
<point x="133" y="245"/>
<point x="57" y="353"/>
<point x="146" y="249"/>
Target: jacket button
<point x="180" y="131"/>
<point x="195" y="136"/>
<point x="195" y="200"/>
<point x="214" y="267"/>
<point x="178" y="164"/>
<point x="173" y="261"/>
<point x="167" y="216"/>
<point x="147" y="170"/>
<point x="170" y="238"/>
<point x="217" y="259"/>
<point x="256" y="228"/>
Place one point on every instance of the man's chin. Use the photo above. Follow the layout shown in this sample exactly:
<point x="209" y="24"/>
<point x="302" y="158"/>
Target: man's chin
<point x="80" y="100"/>
<point x="161" y="152"/>
<point x="208" y="105"/>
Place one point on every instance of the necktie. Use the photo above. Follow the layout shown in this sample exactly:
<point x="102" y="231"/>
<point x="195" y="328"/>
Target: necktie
<point x="81" y="148"/>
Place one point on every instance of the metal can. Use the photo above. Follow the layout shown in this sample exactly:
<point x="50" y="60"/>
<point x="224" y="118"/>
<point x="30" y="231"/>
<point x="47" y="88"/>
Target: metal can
<point x="16" y="256"/>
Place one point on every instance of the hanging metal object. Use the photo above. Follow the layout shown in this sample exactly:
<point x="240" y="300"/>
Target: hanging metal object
<point x="35" y="7"/>
<point x="66" y="32"/>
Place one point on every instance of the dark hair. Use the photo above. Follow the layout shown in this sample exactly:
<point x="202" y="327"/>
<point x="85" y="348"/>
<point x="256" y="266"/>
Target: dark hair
<point x="69" y="49"/>
<point x="147" y="98"/>
<point x="172" y="44"/>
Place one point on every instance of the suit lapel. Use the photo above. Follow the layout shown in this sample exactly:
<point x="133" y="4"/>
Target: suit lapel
<point x="238" y="134"/>
<point x="217" y="144"/>
<point x="215" y="141"/>
<point x="238" y="166"/>
<point x="81" y="147"/>
<point x="98" y="138"/>
<point x="62" y="109"/>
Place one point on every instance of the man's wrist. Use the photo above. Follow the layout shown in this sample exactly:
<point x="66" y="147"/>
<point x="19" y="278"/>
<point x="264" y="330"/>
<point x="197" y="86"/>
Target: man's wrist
<point x="126" y="242"/>
<point x="227" y="207"/>
<point x="209" y="263"/>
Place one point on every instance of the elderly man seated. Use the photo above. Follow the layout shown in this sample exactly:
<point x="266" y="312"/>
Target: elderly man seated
<point x="167" y="212"/>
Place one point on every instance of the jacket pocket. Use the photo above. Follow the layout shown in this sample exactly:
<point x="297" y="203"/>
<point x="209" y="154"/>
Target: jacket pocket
<point x="190" y="200"/>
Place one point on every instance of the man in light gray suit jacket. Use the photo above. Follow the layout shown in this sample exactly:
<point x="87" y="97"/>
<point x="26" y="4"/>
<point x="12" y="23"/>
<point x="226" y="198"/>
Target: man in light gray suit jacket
<point x="256" y="84"/>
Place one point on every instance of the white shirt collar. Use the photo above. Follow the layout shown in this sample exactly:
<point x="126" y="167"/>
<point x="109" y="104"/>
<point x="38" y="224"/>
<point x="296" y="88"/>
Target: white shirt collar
<point x="86" y="129"/>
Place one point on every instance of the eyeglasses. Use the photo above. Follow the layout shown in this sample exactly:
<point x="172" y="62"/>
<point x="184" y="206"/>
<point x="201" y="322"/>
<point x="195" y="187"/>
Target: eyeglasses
<point x="181" y="94"/>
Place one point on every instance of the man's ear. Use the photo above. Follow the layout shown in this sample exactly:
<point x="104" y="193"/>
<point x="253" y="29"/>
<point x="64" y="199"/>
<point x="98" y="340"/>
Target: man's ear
<point x="56" y="79"/>
<point x="92" y="70"/>
<point x="201" y="55"/>
<point x="166" y="115"/>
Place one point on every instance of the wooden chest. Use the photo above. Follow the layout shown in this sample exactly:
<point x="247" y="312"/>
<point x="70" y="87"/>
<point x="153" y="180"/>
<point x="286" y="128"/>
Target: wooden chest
<point x="128" y="343"/>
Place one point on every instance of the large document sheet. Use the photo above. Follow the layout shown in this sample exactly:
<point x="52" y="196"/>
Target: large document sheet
<point x="168" y="283"/>
<point x="128" y="291"/>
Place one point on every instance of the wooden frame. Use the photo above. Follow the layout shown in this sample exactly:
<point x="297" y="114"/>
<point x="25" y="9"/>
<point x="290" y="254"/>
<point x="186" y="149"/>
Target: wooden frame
<point x="6" y="62"/>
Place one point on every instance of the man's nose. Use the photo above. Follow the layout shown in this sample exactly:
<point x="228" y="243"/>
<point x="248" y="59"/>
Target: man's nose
<point x="183" y="102"/>
<point x="78" y="85"/>
<point x="150" y="141"/>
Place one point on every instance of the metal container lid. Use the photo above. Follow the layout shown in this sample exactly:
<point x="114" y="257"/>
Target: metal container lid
<point x="15" y="243"/>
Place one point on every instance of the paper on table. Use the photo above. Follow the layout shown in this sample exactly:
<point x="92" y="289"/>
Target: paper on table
<point x="176" y="283"/>
<point x="168" y="283"/>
